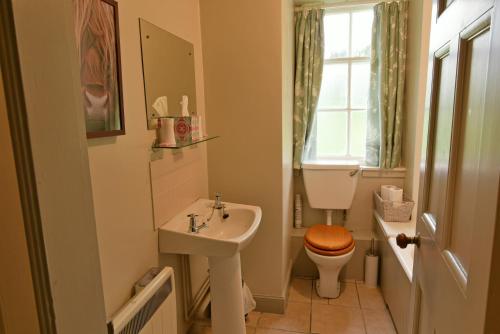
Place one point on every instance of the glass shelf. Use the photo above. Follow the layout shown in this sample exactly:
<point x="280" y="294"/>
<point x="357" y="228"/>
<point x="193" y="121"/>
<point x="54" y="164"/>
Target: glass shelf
<point x="186" y="144"/>
<point x="166" y="117"/>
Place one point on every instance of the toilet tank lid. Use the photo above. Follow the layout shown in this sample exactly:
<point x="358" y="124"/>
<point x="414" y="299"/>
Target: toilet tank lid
<point x="331" y="164"/>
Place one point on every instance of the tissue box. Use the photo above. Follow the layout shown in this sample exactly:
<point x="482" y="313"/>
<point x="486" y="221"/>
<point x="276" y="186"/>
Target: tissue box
<point x="181" y="128"/>
<point x="393" y="211"/>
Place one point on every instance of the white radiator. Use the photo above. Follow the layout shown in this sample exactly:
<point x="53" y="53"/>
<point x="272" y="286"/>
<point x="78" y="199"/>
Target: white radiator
<point x="150" y="311"/>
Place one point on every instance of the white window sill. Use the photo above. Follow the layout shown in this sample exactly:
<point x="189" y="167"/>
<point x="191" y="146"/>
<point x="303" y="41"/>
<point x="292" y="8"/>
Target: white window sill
<point x="399" y="172"/>
<point x="369" y="171"/>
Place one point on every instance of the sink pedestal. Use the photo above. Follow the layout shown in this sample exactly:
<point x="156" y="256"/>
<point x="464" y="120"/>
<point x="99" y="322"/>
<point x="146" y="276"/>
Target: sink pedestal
<point x="227" y="295"/>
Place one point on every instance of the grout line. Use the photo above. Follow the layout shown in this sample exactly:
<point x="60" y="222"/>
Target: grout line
<point x="343" y="306"/>
<point x="359" y="297"/>
<point x="365" y="326"/>
<point x="311" y="312"/>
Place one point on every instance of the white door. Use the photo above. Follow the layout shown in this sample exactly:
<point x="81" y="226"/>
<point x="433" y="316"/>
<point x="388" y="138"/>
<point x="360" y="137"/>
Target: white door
<point x="459" y="171"/>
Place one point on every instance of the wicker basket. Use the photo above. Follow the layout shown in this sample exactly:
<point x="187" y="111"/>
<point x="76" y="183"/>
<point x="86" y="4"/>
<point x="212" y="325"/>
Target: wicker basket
<point x="393" y="211"/>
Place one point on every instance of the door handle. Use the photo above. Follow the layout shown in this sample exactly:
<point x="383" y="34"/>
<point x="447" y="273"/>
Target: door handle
<point x="403" y="240"/>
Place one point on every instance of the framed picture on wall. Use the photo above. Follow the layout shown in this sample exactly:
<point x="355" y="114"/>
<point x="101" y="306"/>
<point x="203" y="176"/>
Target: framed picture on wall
<point x="98" y="45"/>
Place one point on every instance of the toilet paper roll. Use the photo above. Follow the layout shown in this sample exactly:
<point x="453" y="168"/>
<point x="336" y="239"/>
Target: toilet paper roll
<point x="384" y="191"/>
<point x="391" y="193"/>
<point x="396" y="195"/>
<point x="371" y="271"/>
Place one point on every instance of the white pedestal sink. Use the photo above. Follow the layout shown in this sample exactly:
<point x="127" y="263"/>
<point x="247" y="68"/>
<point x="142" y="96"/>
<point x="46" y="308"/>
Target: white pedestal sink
<point x="221" y="242"/>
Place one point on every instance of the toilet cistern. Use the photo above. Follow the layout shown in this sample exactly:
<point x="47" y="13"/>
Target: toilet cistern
<point x="330" y="185"/>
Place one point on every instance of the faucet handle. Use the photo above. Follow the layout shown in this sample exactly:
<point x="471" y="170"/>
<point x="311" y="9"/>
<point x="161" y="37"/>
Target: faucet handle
<point x="192" y="218"/>
<point x="218" y="195"/>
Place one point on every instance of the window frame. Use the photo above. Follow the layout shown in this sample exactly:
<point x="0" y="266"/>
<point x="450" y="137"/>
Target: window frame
<point x="349" y="109"/>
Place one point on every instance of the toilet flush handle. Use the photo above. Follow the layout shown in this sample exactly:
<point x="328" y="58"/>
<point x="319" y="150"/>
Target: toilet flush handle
<point x="354" y="172"/>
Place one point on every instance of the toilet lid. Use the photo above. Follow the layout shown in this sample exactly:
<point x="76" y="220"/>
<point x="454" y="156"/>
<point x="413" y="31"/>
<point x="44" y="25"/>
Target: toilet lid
<point x="329" y="238"/>
<point x="328" y="253"/>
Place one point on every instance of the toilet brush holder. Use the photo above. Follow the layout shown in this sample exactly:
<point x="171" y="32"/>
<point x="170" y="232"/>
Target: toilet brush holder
<point x="371" y="267"/>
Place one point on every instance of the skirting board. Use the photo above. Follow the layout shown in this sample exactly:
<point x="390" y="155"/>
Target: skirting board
<point x="270" y="304"/>
<point x="288" y="281"/>
<point x="273" y="304"/>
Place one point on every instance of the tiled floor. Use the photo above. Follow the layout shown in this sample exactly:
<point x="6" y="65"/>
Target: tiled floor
<point x="358" y="310"/>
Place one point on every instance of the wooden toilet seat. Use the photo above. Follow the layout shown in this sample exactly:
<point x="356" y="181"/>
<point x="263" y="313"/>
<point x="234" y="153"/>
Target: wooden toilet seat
<point x="329" y="240"/>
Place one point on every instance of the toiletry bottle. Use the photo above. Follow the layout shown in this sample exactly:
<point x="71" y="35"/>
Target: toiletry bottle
<point x="184" y="104"/>
<point x="195" y="131"/>
<point x="201" y="132"/>
<point x="298" y="211"/>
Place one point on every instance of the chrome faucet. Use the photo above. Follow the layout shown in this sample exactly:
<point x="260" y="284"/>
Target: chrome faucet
<point x="218" y="205"/>
<point x="193" y="227"/>
<point x="218" y="201"/>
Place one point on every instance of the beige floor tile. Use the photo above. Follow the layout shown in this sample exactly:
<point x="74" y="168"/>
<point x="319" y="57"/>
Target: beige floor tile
<point x="349" y="280"/>
<point x="370" y="298"/>
<point x="200" y="330"/>
<point x="300" y="290"/>
<point x="272" y="331"/>
<point x="348" y="296"/>
<point x="208" y="330"/>
<point x="378" y="322"/>
<point x="295" y="319"/>
<point x="331" y="319"/>
<point x="250" y="330"/>
<point x="252" y="318"/>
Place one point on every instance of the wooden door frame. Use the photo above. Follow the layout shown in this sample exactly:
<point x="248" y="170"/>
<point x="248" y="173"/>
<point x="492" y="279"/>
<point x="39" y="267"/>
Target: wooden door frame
<point x="492" y="114"/>
<point x="18" y="123"/>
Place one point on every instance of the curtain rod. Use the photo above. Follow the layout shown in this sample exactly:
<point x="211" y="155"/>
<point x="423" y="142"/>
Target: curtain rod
<point x="336" y="5"/>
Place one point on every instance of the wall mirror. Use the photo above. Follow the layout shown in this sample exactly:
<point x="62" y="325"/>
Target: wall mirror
<point x="168" y="68"/>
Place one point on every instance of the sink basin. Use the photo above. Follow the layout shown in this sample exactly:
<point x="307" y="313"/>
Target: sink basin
<point x="222" y="237"/>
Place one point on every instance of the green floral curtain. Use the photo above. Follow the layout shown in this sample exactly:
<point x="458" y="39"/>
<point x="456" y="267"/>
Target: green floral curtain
<point x="388" y="63"/>
<point x="309" y="46"/>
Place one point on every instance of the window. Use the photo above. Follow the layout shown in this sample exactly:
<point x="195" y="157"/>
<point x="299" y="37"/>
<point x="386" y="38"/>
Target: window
<point x="339" y="129"/>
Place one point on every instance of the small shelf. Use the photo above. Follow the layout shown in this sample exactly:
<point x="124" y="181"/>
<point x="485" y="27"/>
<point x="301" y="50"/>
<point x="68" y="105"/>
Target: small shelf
<point x="166" y="117"/>
<point x="185" y="144"/>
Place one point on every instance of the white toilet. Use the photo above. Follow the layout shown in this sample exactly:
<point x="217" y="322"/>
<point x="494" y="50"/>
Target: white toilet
<point x="330" y="187"/>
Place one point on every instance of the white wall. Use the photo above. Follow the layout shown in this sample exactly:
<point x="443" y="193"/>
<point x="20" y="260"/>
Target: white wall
<point x="243" y="65"/>
<point x="416" y="77"/>
<point x="47" y="51"/>
<point x="288" y="62"/>
<point x="120" y="166"/>
<point x="120" y="189"/>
